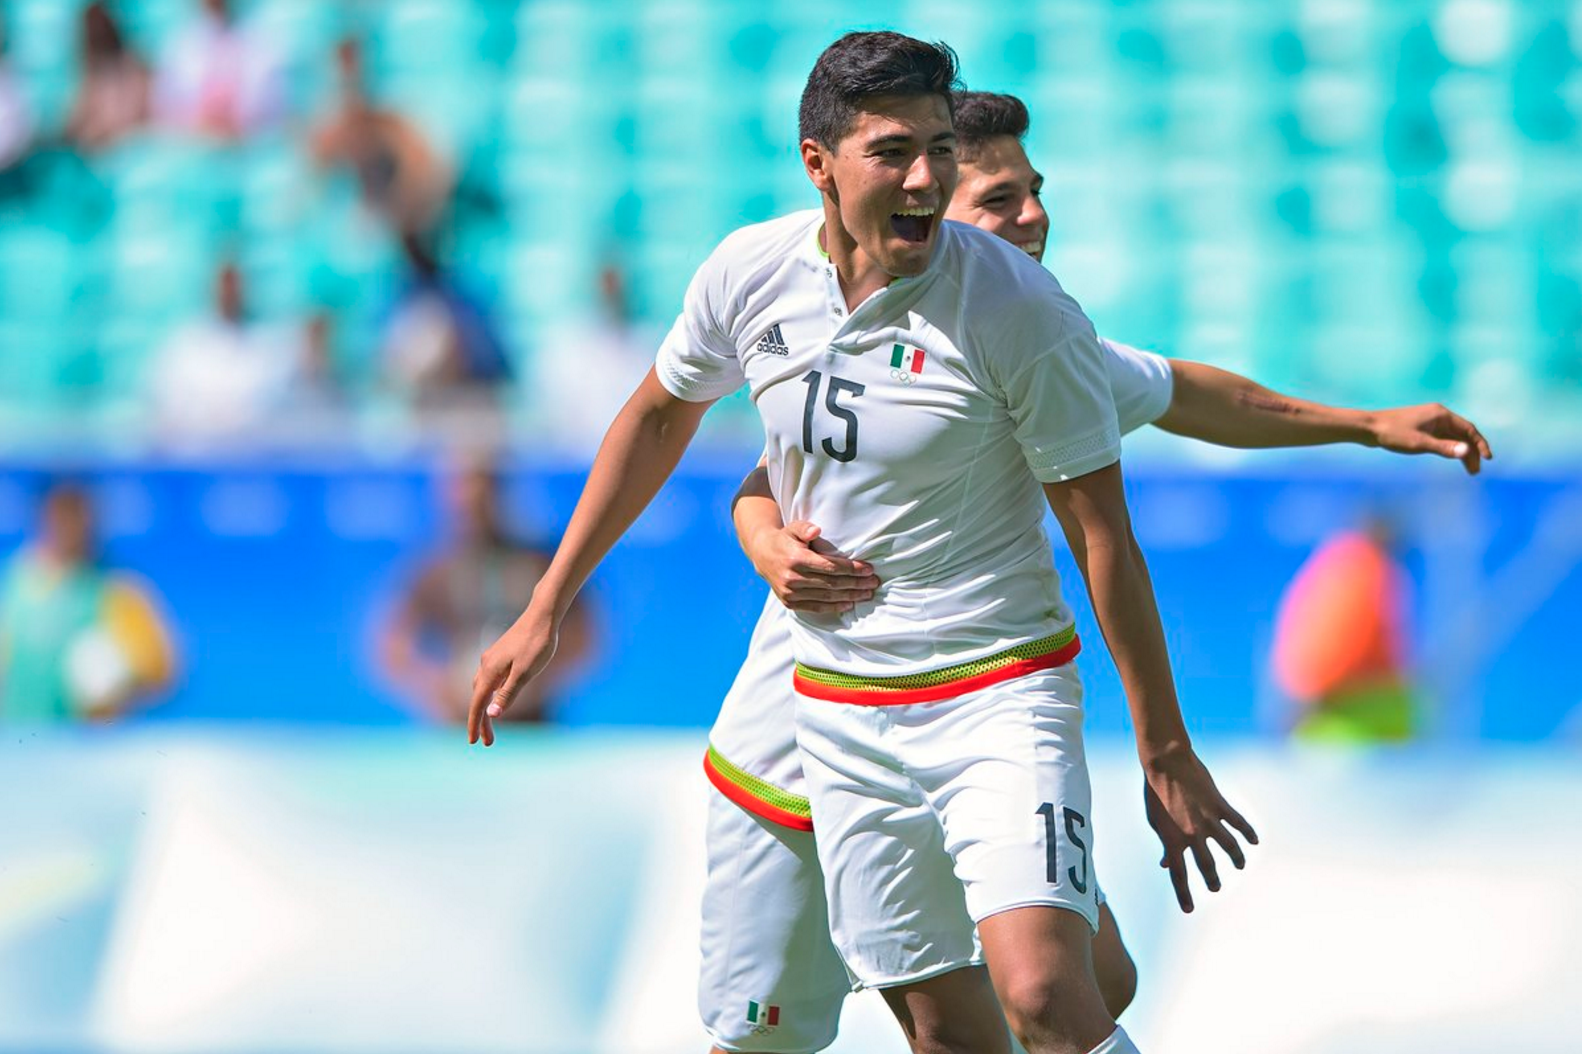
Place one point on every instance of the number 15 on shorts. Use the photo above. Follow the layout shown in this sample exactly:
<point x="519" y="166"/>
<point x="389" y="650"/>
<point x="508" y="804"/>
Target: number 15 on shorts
<point x="1073" y="821"/>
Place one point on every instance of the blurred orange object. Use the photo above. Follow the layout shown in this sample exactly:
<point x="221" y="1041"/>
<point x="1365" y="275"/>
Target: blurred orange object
<point x="1340" y="640"/>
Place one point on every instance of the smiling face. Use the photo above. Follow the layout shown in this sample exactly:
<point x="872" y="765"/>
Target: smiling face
<point x="1001" y="192"/>
<point x="888" y="180"/>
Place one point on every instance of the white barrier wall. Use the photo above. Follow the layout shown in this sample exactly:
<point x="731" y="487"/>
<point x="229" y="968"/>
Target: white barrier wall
<point x="343" y="892"/>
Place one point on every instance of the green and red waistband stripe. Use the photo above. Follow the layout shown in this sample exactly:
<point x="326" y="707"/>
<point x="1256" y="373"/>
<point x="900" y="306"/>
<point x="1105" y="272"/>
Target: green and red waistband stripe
<point x="757" y="796"/>
<point x="1044" y="654"/>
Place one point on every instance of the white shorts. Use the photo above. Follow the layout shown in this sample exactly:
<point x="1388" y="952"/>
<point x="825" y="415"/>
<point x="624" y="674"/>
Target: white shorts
<point x="934" y="816"/>
<point x="771" y="978"/>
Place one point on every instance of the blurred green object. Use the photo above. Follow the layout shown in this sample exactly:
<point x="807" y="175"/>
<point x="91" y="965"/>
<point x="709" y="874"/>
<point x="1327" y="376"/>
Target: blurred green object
<point x="1380" y="713"/>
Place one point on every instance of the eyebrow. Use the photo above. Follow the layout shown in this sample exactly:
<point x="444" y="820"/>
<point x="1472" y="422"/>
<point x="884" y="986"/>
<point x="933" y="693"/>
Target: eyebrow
<point x="1005" y="186"/>
<point x="901" y="140"/>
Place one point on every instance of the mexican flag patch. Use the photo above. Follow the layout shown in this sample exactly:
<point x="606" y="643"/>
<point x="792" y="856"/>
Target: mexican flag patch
<point x="907" y="359"/>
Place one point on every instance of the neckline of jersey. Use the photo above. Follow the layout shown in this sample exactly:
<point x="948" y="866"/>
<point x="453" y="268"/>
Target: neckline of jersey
<point x="895" y="280"/>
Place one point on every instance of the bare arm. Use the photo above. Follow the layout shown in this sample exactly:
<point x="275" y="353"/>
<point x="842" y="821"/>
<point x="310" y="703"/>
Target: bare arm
<point x="1227" y="409"/>
<point x="1092" y="513"/>
<point x="805" y="572"/>
<point x="639" y="453"/>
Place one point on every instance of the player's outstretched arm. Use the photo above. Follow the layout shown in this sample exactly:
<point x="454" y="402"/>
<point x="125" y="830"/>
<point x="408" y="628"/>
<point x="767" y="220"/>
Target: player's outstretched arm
<point x="805" y="572"/>
<point x="1092" y="513"/>
<point x="638" y="454"/>
<point x="1227" y="409"/>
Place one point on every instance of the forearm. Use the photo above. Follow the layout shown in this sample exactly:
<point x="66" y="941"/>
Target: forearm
<point x="1092" y="513"/>
<point x="638" y="454"/>
<point x="1226" y="409"/>
<point x="1122" y="596"/>
<point x="754" y="510"/>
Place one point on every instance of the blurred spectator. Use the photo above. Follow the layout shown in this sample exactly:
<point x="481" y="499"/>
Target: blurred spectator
<point x="613" y="351"/>
<point x="113" y="95"/>
<point x="317" y="387"/>
<point x="76" y="640"/>
<point x="1339" y="649"/>
<point x="463" y="598"/>
<point x="220" y="77"/>
<point x="439" y="343"/>
<point x="225" y="374"/>
<point x="16" y="117"/>
<point x="398" y="171"/>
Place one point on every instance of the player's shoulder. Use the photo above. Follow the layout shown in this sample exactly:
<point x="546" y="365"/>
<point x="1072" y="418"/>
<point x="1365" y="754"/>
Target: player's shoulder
<point x="748" y="261"/>
<point x="747" y="249"/>
<point x="981" y="256"/>
<point x="1001" y="282"/>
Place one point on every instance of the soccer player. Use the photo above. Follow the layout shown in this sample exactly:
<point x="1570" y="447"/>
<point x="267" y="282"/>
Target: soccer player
<point x="940" y="721"/>
<point x="772" y="980"/>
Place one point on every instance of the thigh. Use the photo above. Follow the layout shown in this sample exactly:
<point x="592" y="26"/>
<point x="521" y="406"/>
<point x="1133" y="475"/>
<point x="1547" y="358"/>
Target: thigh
<point x="1006" y="772"/>
<point x="771" y="978"/>
<point x="897" y="912"/>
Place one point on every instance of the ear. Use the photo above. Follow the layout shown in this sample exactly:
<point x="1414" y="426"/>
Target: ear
<point x="817" y="159"/>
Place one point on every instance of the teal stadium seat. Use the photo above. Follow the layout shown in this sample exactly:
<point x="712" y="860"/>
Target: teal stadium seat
<point x="1362" y="197"/>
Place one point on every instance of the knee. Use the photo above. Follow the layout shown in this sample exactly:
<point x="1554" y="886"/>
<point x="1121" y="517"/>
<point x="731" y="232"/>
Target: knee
<point x="1032" y="1005"/>
<point x="1048" y="1010"/>
<point x="1118" y="984"/>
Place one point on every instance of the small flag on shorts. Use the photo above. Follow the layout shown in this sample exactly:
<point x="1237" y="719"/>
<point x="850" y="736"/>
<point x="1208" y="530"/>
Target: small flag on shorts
<point x="903" y="358"/>
<point x="759" y="1014"/>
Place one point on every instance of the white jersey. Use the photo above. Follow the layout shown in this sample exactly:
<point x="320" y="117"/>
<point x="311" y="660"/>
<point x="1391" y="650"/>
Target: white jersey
<point x="911" y="431"/>
<point x="753" y="757"/>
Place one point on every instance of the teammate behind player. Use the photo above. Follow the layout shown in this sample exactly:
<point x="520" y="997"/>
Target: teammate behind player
<point x="999" y="191"/>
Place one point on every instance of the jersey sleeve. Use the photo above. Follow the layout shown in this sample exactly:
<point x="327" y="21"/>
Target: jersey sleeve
<point x="698" y="361"/>
<point x="1052" y="373"/>
<point x="1141" y="383"/>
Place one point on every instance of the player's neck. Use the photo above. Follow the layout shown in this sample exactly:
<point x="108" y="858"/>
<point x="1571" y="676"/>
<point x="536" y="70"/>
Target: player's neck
<point x="860" y="274"/>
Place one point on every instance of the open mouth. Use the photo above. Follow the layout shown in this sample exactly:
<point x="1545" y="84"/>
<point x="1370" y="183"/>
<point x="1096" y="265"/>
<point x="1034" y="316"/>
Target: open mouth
<point x="913" y="225"/>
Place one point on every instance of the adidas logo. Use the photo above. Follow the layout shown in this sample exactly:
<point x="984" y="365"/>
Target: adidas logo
<point x="773" y="343"/>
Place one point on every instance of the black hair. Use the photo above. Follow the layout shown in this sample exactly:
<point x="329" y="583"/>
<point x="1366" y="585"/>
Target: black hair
<point x="861" y="66"/>
<point x="983" y="115"/>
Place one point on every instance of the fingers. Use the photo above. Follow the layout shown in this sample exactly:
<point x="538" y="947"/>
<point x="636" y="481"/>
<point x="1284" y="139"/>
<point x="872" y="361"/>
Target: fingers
<point x="483" y="685"/>
<point x="835" y="567"/>
<point x="1479" y="446"/>
<point x="824" y="587"/>
<point x="830" y="563"/>
<point x="815" y="607"/>
<point x="1454" y="437"/>
<point x="492" y="693"/>
<point x="1228" y="843"/>
<point x="503" y="696"/>
<point x="844" y="599"/>
<point x="1238" y="821"/>
<point x="1175" y="861"/>
<point x="804" y="531"/>
<point x="1206" y="865"/>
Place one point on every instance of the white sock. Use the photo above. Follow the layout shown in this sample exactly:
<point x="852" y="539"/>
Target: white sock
<point x="1118" y="1043"/>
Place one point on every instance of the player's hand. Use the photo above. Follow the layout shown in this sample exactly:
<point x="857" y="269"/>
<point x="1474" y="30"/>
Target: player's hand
<point x="1432" y="429"/>
<point x="517" y="657"/>
<point x="1187" y="812"/>
<point x="806" y="572"/>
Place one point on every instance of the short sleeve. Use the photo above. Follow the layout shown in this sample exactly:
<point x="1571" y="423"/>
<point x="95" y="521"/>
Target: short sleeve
<point x="1141" y="383"/>
<point x="698" y="361"/>
<point x="1057" y="391"/>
